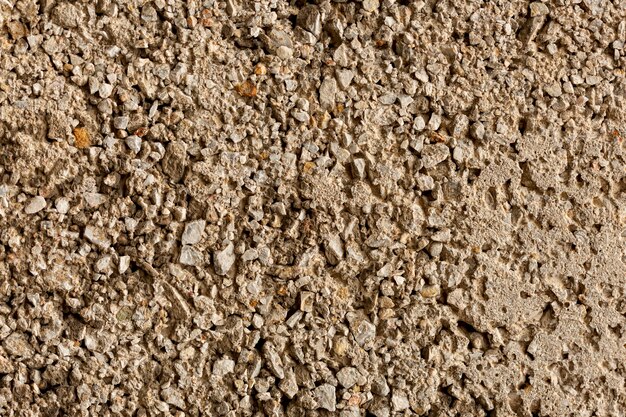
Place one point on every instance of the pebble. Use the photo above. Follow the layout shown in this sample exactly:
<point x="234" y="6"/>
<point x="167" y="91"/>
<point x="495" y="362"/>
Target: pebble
<point x="17" y="344"/>
<point x="310" y="18"/>
<point x="334" y="250"/>
<point x="478" y="130"/>
<point x="134" y="143"/>
<point x="433" y="155"/>
<point x="121" y="122"/>
<point x="325" y="397"/>
<point x="289" y="385"/>
<point x="380" y="386"/>
<point x="124" y="264"/>
<point x="190" y="256"/>
<point x="538" y="8"/>
<point x="371" y="5"/>
<point x="425" y="183"/>
<point x="224" y="259"/>
<point x="62" y="205"/>
<point x="327" y="92"/>
<point x="348" y="376"/>
<point x="363" y="331"/>
<point x="274" y="362"/>
<point x="344" y="77"/>
<point x="35" y="205"/>
<point x="399" y="401"/>
<point x="193" y="232"/>
<point x="97" y="236"/>
<point x="223" y="367"/>
<point x="434" y="122"/>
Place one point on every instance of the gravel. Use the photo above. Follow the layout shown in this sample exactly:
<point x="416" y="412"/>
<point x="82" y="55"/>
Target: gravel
<point x="324" y="208"/>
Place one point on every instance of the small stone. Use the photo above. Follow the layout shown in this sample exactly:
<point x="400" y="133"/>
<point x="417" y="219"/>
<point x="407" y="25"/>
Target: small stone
<point x="371" y="5"/>
<point x="16" y="29"/>
<point x="67" y="15"/>
<point x="97" y="236"/>
<point x="334" y="250"/>
<point x="81" y="138"/>
<point x="16" y="344"/>
<point x="348" y="376"/>
<point x="105" y="90"/>
<point x="434" y="122"/>
<point x="62" y="205"/>
<point x="425" y="182"/>
<point x="306" y="301"/>
<point x="250" y="255"/>
<point x="121" y="122"/>
<point x="554" y="89"/>
<point x="193" y="232"/>
<point x="103" y="265"/>
<point x="223" y="367"/>
<point x="224" y="259"/>
<point x="430" y="291"/>
<point x="289" y="385"/>
<point x="134" y="143"/>
<point x="419" y="123"/>
<point x="94" y="200"/>
<point x="173" y="396"/>
<point x="123" y="265"/>
<point x="275" y="364"/>
<point x="379" y="408"/>
<point x="433" y="155"/>
<point x="379" y="385"/>
<point x="363" y="331"/>
<point x="327" y="92"/>
<point x="358" y="168"/>
<point x="310" y="18"/>
<point x="342" y="55"/>
<point x="478" y="130"/>
<point x="387" y="99"/>
<point x="344" y="77"/>
<point x="442" y="236"/>
<point x="538" y="8"/>
<point x="399" y="401"/>
<point x="460" y="125"/>
<point x="175" y="160"/>
<point x="35" y="205"/>
<point x="180" y="308"/>
<point x="246" y="89"/>
<point x="325" y="397"/>
<point x="190" y="256"/>
<point x="458" y="154"/>
<point x="284" y="52"/>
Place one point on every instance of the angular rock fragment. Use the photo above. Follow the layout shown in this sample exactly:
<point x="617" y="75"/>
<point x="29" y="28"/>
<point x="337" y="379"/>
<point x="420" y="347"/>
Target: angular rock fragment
<point x="193" y="232"/>
<point x="35" y="205"/>
<point x="224" y="259"/>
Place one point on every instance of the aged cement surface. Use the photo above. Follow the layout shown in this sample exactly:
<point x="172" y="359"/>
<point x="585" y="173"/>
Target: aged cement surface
<point x="325" y="208"/>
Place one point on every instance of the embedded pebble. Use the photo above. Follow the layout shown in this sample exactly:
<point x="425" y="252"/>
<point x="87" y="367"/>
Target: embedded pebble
<point x="35" y="205"/>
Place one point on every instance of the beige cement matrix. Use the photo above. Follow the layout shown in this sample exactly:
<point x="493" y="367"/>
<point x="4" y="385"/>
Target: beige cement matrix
<point x="327" y="208"/>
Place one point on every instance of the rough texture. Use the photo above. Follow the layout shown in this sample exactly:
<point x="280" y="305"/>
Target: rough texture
<point x="312" y="208"/>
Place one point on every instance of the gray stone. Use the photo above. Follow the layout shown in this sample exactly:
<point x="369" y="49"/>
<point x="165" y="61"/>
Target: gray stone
<point x="193" y="232"/>
<point x="223" y="367"/>
<point x="190" y="256"/>
<point x="348" y="376"/>
<point x="224" y="259"/>
<point x="310" y="18"/>
<point x="325" y="397"/>
<point x="35" y="205"/>
<point x="134" y="143"/>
